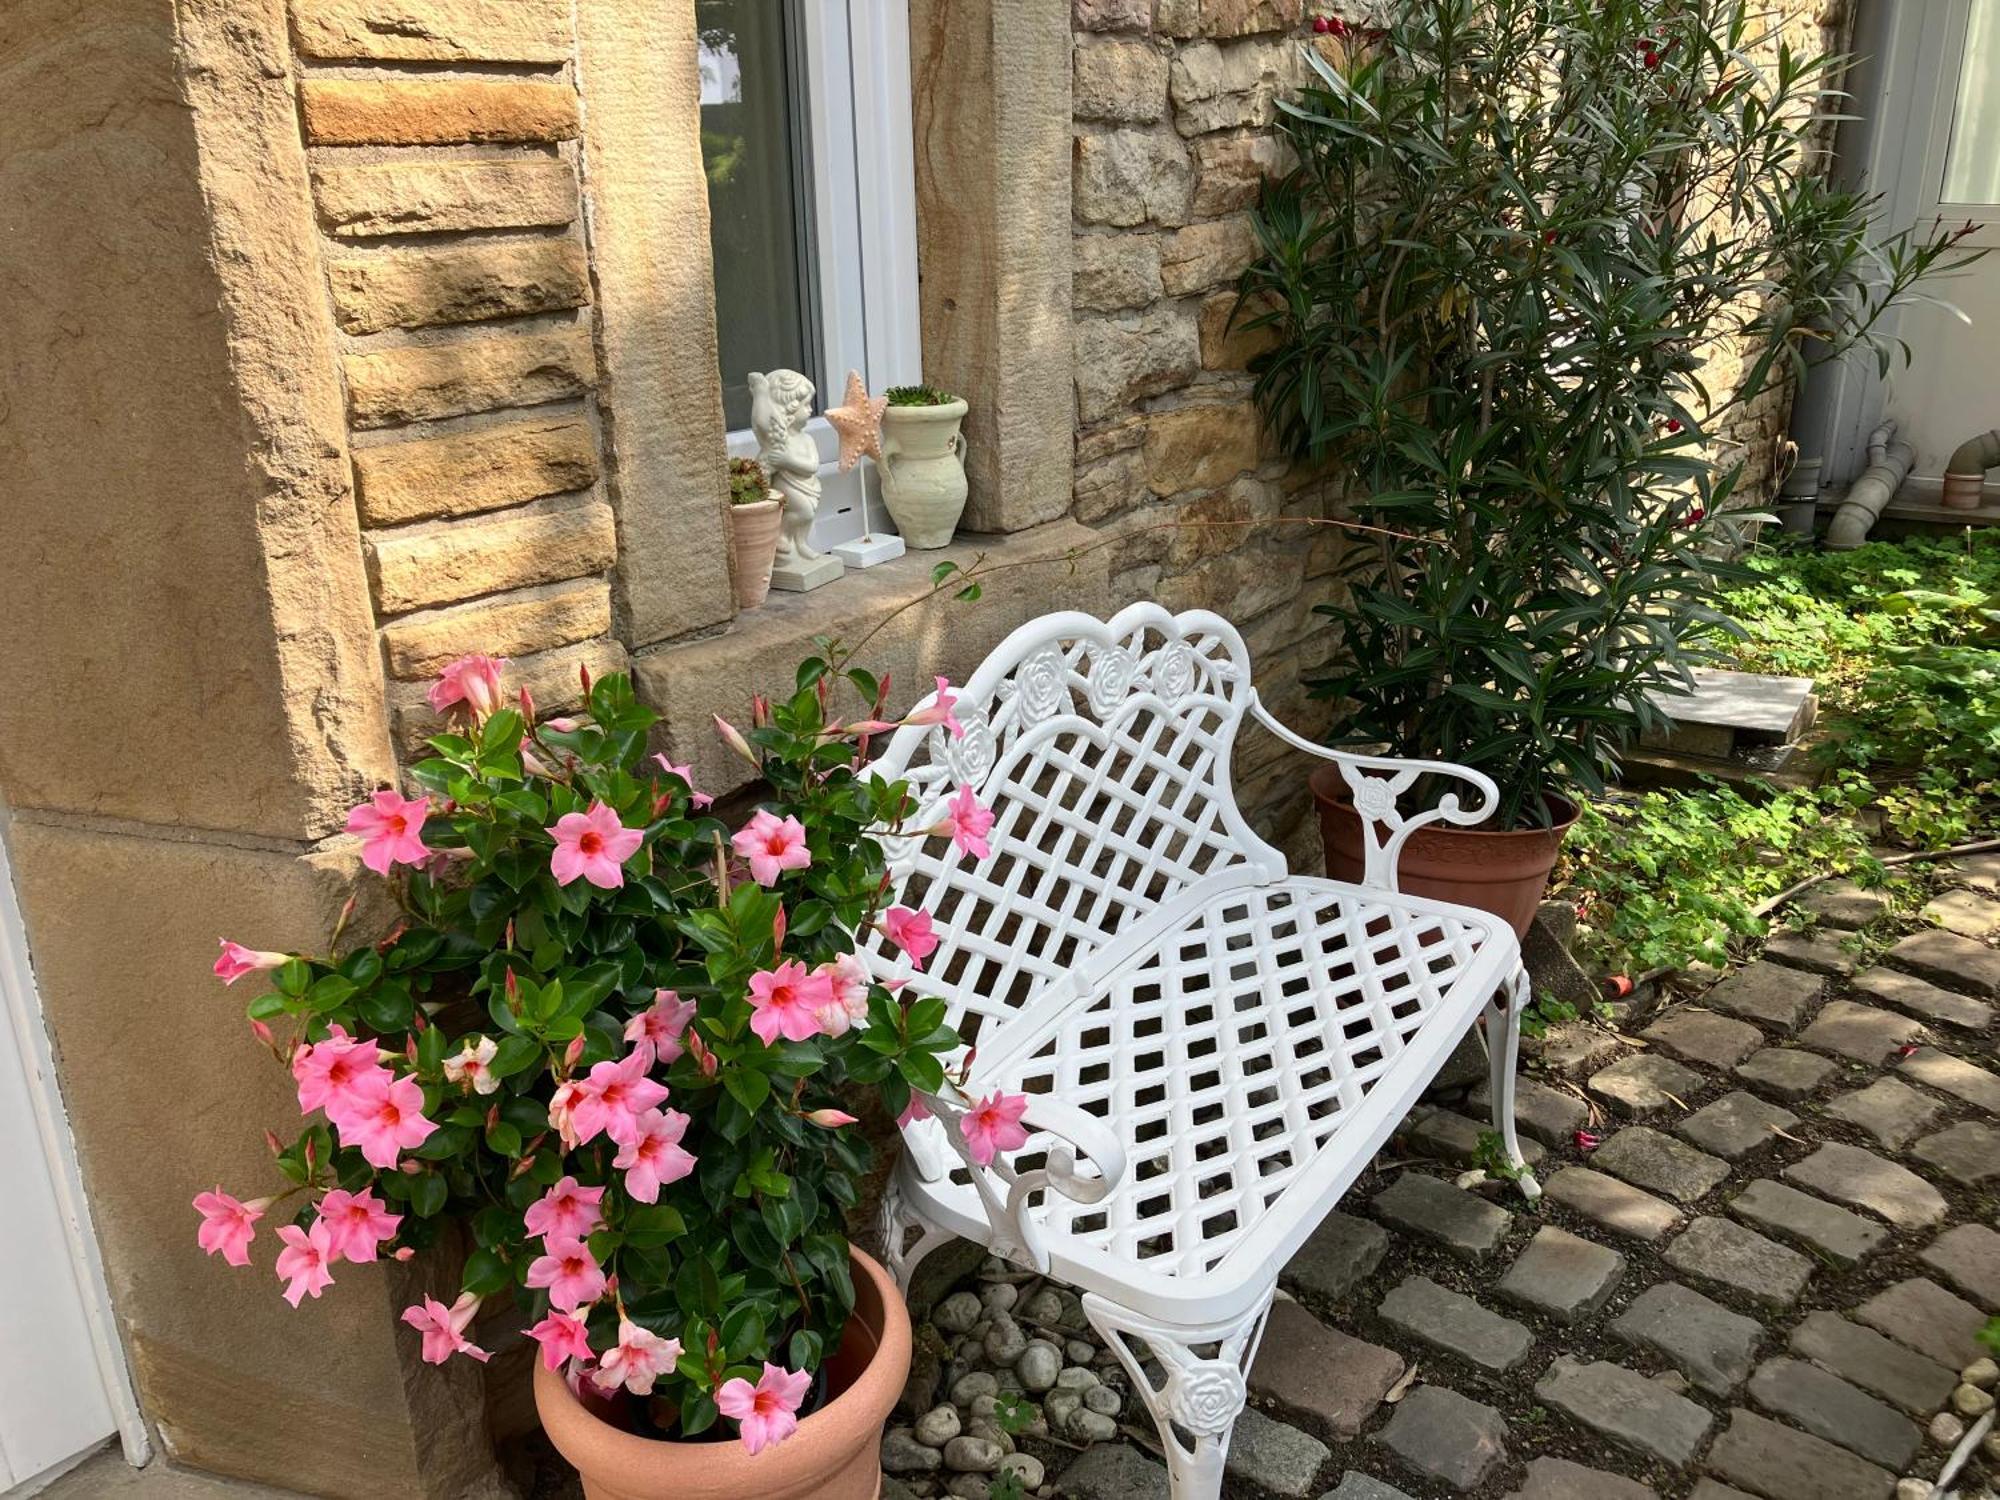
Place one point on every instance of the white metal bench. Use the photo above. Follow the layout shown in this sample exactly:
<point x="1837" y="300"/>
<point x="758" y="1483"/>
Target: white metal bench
<point x="1213" y="1048"/>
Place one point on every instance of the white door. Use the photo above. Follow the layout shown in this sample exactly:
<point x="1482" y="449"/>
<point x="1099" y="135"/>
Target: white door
<point x="63" y="1388"/>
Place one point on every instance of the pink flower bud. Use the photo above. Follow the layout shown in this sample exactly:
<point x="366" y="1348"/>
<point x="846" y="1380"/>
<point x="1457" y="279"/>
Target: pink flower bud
<point x="778" y="928"/>
<point x="403" y="1252"/>
<point x="735" y="741"/>
<point x="573" y="1051"/>
<point x="830" y="1119"/>
<point x="263" y="1033"/>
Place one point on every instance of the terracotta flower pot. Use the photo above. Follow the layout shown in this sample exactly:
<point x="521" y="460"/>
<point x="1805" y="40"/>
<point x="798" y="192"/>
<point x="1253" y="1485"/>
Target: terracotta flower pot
<point x="753" y="534"/>
<point x="1501" y="871"/>
<point x="835" y="1454"/>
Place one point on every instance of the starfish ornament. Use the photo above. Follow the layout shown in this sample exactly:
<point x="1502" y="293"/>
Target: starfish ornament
<point x="858" y="422"/>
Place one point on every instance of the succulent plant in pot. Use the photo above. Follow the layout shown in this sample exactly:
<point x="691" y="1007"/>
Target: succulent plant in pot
<point x="755" y="511"/>
<point x="1534" y="256"/>
<point x="606" y="1049"/>
<point x="923" y="463"/>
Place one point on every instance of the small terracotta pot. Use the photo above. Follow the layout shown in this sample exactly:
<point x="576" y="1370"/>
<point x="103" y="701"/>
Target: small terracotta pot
<point x="753" y="534"/>
<point x="1505" y="872"/>
<point x="1964" y="491"/>
<point x="835" y="1454"/>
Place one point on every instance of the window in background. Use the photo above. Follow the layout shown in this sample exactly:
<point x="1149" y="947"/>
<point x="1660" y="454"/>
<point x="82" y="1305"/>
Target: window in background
<point x="1972" y="166"/>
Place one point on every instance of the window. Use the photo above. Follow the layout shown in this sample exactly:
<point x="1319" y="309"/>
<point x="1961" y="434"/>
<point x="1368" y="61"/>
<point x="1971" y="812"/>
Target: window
<point x="1972" y="165"/>
<point x="805" y="125"/>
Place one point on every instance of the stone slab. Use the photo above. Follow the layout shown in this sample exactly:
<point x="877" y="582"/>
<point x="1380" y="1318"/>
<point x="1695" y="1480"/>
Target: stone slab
<point x="1785" y="1464"/>
<point x="1645" y="1084"/>
<point x="1912" y="1381"/>
<point x="1849" y="1174"/>
<point x="1828" y="1407"/>
<point x="1617" y="1206"/>
<point x="1919" y="997"/>
<point x="1713" y="1346"/>
<point x="1648" y="1159"/>
<point x="1563" y="1275"/>
<point x="1957" y="963"/>
<point x="1446" y="1436"/>
<point x="1757" y="707"/>
<point x="1967" y="913"/>
<point x="1785" y="1071"/>
<point x="1354" y="1485"/>
<point x="1767" y="993"/>
<point x="1938" y="1324"/>
<point x="1341" y="1254"/>
<point x="1844" y="1238"/>
<point x="1449" y="1215"/>
<point x="1953" y="1075"/>
<point x="1549" y="1115"/>
<point x="1703" y="1036"/>
<point x="372" y="199"/>
<point x="1114" y="1471"/>
<point x="510" y="31"/>
<point x="462" y="473"/>
<point x="1455" y="1323"/>
<point x="1559" y="1479"/>
<point x="1862" y="1032"/>
<point x="1453" y="1137"/>
<point x="1715" y="1489"/>
<point x="1969" y="1258"/>
<point x="1736" y="1125"/>
<point x="1330" y="1378"/>
<point x="1725" y="1253"/>
<point x="1274" y="1456"/>
<point x="1574" y="1048"/>
<point x="1626" y="1408"/>
<point x="1893" y="1113"/>
<point x="1818" y="950"/>
<point x="1842" y="903"/>
<point x="1968" y="1152"/>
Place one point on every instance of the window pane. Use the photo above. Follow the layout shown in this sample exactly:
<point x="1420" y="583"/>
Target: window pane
<point x="1972" y="166"/>
<point x="754" y="146"/>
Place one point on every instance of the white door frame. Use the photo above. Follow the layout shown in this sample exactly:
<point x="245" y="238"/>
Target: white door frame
<point x="21" y="1004"/>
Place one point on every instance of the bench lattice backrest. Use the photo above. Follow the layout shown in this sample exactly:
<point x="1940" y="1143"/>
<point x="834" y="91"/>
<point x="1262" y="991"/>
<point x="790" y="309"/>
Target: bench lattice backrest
<point x="1103" y="749"/>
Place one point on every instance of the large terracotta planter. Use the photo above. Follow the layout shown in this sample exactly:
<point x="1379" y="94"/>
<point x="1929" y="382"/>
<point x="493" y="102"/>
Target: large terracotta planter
<point x="1504" y="872"/>
<point x="753" y="534"/>
<point x="835" y="1454"/>
<point x="923" y="472"/>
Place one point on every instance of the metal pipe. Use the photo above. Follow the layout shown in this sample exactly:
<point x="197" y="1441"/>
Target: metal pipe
<point x="1889" y="464"/>
<point x="1965" y="470"/>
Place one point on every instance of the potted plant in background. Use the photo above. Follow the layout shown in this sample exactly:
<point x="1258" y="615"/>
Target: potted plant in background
<point x="755" y="511"/>
<point x="923" y="463"/>
<point x="606" y="1045"/>
<point x="1506" y="285"/>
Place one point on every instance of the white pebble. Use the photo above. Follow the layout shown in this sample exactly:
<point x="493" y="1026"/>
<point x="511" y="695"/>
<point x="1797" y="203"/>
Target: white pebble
<point x="937" y="1426"/>
<point x="1946" y="1429"/>
<point x="978" y="1383"/>
<point x="957" y="1313"/>
<point x="1983" y="1373"/>
<point x="1971" y="1401"/>
<point x="972" y="1455"/>
<point x="1024" y="1466"/>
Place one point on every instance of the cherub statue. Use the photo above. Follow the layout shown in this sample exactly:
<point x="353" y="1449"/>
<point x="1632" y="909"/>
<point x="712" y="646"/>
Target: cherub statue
<point x="780" y="406"/>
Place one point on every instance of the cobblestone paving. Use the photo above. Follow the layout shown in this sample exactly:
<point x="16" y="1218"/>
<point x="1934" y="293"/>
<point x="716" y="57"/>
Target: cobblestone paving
<point x="1763" y="1282"/>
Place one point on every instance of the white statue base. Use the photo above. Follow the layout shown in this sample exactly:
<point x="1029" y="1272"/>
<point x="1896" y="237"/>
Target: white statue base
<point x="869" y="550"/>
<point x="803" y="577"/>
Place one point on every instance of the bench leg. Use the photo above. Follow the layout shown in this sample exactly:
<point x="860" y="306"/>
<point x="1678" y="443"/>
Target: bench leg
<point x="1503" y="1054"/>
<point x="898" y="1218"/>
<point x="1201" y="1390"/>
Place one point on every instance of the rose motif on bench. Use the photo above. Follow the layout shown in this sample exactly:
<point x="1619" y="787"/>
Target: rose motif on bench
<point x="971" y="754"/>
<point x="1173" y="672"/>
<point x="1040" y="686"/>
<point x="1113" y="669"/>
<point x="1206" y="1396"/>
<point x="1373" y="799"/>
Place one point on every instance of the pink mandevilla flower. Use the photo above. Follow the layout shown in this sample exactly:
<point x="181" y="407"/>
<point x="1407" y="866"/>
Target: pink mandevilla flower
<point x="382" y="1118"/>
<point x="330" y="1073"/>
<point x="614" y="1092"/>
<point x="444" y="1328"/>
<point x="594" y="845"/>
<point x="639" y="1358"/>
<point x="562" y="1336"/>
<point x="994" y="1125"/>
<point x="391" y="830"/>
<point x="968" y="820"/>
<point x="471" y="680"/>
<point x="473" y="1064"/>
<point x="786" y="1001"/>
<point x="911" y="931"/>
<point x="766" y="1412"/>
<point x="237" y="960"/>
<point x="562" y="1113"/>
<point x="653" y="1157"/>
<point x="356" y="1223"/>
<point x="227" y="1225"/>
<point x="570" y="1272"/>
<point x="942" y="709"/>
<point x="847" y="1001"/>
<point x="915" y="1110"/>
<point x="773" y="845"/>
<point x="661" y="1026"/>
<point x="695" y="799"/>
<point x="304" y="1261"/>
<point x="566" y="1211"/>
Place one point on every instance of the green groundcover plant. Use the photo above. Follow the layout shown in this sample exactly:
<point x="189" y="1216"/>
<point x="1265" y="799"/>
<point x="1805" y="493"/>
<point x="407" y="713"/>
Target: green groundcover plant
<point x="609" y="1039"/>
<point x="1521" y="238"/>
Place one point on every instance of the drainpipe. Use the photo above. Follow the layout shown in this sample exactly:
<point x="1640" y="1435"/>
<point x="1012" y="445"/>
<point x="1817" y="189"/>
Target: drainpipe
<point x="1965" y="471"/>
<point x="1888" y="466"/>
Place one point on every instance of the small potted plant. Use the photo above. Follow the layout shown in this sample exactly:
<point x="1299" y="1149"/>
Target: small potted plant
<point x="1517" y="236"/>
<point x="923" y="463"/>
<point x="755" y="510"/>
<point x="606" y="1047"/>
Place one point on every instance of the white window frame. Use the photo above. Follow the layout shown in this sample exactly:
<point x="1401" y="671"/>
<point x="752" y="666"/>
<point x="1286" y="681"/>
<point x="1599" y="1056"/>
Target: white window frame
<point x="864" y="204"/>
<point x="1916" y="196"/>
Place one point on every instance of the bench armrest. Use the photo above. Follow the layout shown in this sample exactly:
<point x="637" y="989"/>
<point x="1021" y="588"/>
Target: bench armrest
<point x="1384" y="831"/>
<point x="1083" y="1161"/>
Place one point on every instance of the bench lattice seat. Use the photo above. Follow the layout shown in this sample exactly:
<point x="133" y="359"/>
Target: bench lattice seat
<point x="1213" y="1048"/>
